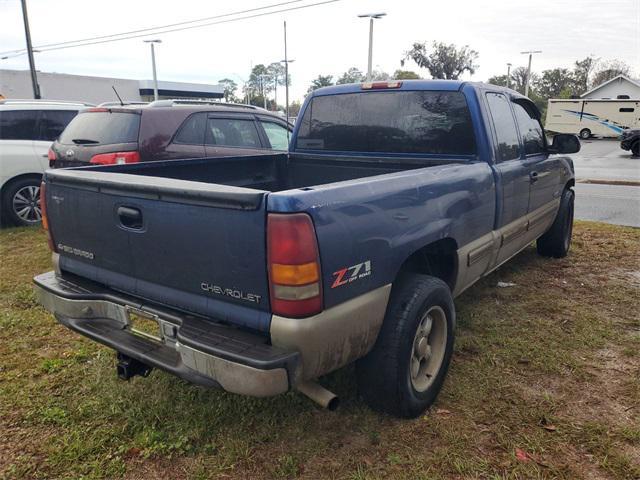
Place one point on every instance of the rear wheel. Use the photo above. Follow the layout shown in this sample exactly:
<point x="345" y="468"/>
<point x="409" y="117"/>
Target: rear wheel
<point x="585" y="133"/>
<point x="21" y="202"/>
<point x="404" y="372"/>
<point x="635" y="149"/>
<point x="557" y="240"/>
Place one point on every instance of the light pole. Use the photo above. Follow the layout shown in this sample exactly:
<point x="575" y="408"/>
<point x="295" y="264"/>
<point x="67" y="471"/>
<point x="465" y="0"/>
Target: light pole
<point x="508" y="75"/>
<point x="526" y="84"/>
<point x="32" y="65"/>
<point x="371" y="17"/>
<point x="286" y="62"/>
<point x="153" y="64"/>
<point x="262" y="92"/>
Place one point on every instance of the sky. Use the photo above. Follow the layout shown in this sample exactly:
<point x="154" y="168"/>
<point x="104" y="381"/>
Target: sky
<point x="323" y="40"/>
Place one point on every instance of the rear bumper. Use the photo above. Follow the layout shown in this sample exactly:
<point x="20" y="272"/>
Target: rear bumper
<point x="200" y="351"/>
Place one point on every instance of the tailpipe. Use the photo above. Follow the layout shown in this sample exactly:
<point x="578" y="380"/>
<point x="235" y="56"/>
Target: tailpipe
<point x="320" y="395"/>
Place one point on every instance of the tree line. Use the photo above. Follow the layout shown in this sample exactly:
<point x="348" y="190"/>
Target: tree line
<point x="439" y="60"/>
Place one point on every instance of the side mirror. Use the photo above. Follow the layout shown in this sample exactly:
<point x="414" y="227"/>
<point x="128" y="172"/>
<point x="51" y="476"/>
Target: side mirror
<point x="565" y="143"/>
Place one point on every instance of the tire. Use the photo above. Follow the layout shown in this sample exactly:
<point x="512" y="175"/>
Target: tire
<point x="635" y="149"/>
<point x="557" y="240"/>
<point x="21" y="202"/>
<point x="585" y="134"/>
<point x="391" y="379"/>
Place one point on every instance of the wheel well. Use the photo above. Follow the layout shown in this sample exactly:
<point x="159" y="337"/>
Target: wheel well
<point x="17" y="178"/>
<point x="438" y="259"/>
<point x="570" y="184"/>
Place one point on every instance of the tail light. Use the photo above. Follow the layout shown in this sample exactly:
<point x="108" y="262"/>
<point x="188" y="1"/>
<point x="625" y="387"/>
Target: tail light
<point x="45" y="218"/>
<point x="294" y="266"/>
<point x="116" y="158"/>
<point x="381" y="85"/>
<point x="52" y="157"/>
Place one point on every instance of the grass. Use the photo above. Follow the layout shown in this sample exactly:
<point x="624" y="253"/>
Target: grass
<point x="545" y="383"/>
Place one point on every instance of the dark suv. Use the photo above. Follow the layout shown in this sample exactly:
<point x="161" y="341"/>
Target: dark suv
<point x="166" y="130"/>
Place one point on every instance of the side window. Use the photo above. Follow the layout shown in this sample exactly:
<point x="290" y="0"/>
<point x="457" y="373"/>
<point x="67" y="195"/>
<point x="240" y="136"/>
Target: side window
<point x="530" y="129"/>
<point x="506" y="132"/>
<point x="192" y="130"/>
<point x="232" y="133"/>
<point x="53" y="122"/>
<point x="18" y="124"/>
<point x="277" y="135"/>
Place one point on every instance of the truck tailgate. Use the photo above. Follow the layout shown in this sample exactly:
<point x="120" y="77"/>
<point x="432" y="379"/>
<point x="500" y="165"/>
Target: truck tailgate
<point x="189" y="245"/>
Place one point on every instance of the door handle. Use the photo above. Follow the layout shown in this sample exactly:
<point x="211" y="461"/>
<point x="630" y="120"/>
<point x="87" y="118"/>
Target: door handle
<point x="533" y="177"/>
<point x="130" y="217"/>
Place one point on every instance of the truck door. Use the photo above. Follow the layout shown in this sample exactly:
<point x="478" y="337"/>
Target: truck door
<point x="514" y="177"/>
<point x="546" y="181"/>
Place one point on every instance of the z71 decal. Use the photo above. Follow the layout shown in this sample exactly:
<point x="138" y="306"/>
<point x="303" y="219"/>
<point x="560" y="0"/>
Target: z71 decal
<point x="352" y="273"/>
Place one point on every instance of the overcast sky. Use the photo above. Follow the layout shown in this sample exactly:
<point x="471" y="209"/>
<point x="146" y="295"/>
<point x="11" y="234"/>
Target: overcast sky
<point x="325" y="39"/>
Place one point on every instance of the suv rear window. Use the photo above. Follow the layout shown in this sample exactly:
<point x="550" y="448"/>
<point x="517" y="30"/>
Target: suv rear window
<point x="421" y="122"/>
<point x="103" y="128"/>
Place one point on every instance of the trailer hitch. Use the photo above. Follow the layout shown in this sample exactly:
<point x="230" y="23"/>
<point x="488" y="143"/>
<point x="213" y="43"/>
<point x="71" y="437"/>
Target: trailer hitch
<point x="128" y="367"/>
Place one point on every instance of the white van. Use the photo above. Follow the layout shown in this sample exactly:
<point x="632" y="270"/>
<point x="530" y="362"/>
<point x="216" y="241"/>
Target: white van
<point x="27" y="128"/>
<point x="604" y="118"/>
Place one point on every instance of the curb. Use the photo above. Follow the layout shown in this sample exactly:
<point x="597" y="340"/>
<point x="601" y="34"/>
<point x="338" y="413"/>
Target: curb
<point x="626" y="183"/>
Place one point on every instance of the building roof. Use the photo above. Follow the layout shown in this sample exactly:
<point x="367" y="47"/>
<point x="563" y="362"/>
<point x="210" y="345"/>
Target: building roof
<point x="624" y="77"/>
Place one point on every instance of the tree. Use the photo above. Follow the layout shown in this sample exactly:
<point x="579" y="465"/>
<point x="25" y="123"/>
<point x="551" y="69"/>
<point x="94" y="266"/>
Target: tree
<point x="609" y="70"/>
<point x="380" y="76"/>
<point x="554" y="82"/>
<point x="519" y="79"/>
<point x="500" y="80"/>
<point x="405" y="75"/>
<point x="294" y="108"/>
<point x="230" y="88"/>
<point x="260" y="80"/>
<point x="582" y="72"/>
<point x="353" y="75"/>
<point x="443" y="61"/>
<point x="320" y="81"/>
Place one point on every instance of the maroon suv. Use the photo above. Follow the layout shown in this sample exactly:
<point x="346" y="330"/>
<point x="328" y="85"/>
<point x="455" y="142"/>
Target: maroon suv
<point x="165" y="130"/>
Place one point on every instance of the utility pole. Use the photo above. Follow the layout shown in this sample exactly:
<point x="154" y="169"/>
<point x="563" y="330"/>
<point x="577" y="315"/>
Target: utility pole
<point x="286" y="62"/>
<point x="153" y="65"/>
<point x="32" y="64"/>
<point x="371" y="17"/>
<point x="526" y="85"/>
<point x="508" y="75"/>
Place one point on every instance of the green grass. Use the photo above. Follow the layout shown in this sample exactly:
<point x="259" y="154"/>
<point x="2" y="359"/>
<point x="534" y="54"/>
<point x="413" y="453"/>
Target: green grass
<point x="559" y="350"/>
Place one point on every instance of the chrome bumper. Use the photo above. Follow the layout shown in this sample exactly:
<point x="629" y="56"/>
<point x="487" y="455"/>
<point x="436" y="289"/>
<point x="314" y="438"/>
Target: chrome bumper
<point x="197" y="350"/>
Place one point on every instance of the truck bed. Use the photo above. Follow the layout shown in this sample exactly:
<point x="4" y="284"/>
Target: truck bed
<point x="271" y="173"/>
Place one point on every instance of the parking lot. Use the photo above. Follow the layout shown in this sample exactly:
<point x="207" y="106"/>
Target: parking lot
<point x="608" y="183"/>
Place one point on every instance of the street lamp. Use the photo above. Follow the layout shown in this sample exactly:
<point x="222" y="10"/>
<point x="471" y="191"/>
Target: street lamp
<point x="371" y="17"/>
<point x="286" y="85"/>
<point x="153" y="64"/>
<point x="526" y="84"/>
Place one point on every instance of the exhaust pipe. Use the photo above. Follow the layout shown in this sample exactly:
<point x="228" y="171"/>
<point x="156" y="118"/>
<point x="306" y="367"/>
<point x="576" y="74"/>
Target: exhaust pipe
<point x="319" y="394"/>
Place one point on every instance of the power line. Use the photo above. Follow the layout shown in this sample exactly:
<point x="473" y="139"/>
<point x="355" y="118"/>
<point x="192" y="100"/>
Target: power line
<point x="150" y="30"/>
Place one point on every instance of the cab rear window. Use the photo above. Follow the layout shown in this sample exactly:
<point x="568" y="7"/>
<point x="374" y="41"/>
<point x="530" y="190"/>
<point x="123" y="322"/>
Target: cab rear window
<point x="102" y="128"/>
<point x="416" y="122"/>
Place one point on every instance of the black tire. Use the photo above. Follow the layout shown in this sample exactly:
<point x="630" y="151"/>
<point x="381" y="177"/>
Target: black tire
<point x="384" y="375"/>
<point x="21" y="202"/>
<point x="557" y="240"/>
<point x="635" y="149"/>
<point x="585" y="134"/>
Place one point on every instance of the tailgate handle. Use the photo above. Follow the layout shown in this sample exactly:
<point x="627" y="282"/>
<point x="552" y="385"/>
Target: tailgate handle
<point x="130" y="217"/>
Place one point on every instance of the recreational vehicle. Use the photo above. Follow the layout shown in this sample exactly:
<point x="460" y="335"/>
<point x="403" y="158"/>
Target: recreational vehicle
<point x="602" y="118"/>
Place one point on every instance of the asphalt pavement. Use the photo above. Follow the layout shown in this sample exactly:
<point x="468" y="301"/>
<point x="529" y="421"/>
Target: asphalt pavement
<point x="601" y="165"/>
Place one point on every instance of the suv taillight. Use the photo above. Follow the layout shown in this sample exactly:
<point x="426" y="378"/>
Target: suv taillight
<point x="115" y="158"/>
<point x="295" y="282"/>
<point x="45" y="218"/>
<point x="52" y="157"/>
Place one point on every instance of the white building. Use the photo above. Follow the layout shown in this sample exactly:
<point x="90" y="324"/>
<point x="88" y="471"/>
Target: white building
<point x="614" y="88"/>
<point x="60" y="86"/>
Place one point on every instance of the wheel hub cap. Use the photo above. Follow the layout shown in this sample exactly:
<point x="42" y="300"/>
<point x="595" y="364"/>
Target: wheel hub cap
<point x="429" y="345"/>
<point x="26" y="204"/>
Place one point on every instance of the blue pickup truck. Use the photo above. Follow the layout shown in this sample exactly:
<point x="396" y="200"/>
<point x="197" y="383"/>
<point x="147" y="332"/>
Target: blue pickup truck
<point x="259" y="274"/>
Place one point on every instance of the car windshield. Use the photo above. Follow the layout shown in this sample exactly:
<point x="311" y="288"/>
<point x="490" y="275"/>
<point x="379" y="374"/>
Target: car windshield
<point x="414" y="122"/>
<point x="102" y="128"/>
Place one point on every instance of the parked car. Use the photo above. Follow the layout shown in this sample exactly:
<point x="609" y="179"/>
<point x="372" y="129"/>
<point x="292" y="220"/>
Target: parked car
<point x="630" y="140"/>
<point x="259" y="274"/>
<point x="27" y="128"/>
<point x="167" y="130"/>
